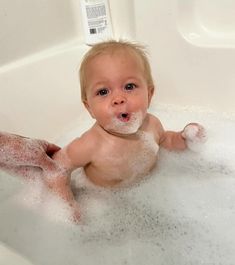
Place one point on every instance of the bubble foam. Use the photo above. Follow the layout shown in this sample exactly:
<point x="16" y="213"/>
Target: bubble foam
<point x="129" y="127"/>
<point x="181" y="213"/>
<point x="35" y="196"/>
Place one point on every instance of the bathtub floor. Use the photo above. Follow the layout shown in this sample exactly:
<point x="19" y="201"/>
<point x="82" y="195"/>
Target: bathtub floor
<point x="183" y="213"/>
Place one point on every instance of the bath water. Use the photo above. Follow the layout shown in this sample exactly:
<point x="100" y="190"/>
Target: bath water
<point x="182" y="213"/>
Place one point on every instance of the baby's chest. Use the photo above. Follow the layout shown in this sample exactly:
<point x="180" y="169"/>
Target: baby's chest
<point x="130" y="157"/>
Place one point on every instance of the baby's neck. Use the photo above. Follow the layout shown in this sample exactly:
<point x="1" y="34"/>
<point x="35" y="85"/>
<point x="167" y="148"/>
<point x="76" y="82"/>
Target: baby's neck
<point x="120" y="135"/>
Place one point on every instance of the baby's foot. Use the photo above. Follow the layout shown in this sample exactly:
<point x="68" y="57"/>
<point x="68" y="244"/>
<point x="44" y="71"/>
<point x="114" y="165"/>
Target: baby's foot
<point x="194" y="135"/>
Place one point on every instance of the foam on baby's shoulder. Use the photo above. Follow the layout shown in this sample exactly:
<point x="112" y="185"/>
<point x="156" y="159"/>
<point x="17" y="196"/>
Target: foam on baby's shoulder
<point x="145" y="158"/>
<point x="149" y="141"/>
<point x="79" y="179"/>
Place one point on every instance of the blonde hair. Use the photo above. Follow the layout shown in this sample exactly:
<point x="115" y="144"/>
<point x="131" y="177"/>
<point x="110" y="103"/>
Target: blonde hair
<point x="110" y="47"/>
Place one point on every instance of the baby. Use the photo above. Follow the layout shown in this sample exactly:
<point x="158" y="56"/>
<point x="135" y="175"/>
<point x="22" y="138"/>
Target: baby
<point x="122" y="145"/>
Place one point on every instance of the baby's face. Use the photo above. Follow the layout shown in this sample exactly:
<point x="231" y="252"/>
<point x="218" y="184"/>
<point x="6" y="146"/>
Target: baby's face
<point x="117" y="92"/>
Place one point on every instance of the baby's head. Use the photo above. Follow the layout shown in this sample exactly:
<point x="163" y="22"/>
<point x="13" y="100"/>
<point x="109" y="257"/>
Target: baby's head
<point x="116" y="85"/>
<point x="110" y="47"/>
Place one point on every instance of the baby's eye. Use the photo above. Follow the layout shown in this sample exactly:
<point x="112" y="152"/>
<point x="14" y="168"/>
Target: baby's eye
<point x="130" y="86"/>
<point x="102" y="92"/>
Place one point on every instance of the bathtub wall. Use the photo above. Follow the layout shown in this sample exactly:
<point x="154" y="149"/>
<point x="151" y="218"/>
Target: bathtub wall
<point x="41" y="46"/>
<point x="191" y="45"/>
<point x="28" y="27"/>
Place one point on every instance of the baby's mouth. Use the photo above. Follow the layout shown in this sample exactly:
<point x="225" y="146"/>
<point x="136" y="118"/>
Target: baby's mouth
<point x="124" y="116"/>
<point x="125" y="122"/>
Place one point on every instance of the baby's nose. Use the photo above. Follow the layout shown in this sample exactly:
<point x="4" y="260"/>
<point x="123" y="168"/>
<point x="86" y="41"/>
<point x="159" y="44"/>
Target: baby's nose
<point x="118" y="100"/>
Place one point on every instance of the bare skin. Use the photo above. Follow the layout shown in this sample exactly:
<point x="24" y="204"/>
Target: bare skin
<point x="25" y="156"/>
<point x="123" y="143"/>
<point x="111" y="163"/>
<point x="32" y="158"/>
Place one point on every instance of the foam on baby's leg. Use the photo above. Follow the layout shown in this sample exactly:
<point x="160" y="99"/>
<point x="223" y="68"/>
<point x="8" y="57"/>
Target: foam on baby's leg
<point x="195" y="136"/>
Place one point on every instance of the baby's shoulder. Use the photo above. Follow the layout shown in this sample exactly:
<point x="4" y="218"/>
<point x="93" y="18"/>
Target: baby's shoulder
<point x="83" y="145"/>
<point x="88" y="138"/>
<point x="153" y="120"/>
<point x="153" y="125"/>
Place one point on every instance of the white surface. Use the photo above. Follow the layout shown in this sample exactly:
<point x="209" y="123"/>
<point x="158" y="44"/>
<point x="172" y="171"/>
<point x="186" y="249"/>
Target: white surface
<point x="183" y="213"/>
<point x="8" y="256"/>
<point x="207" y="23"/>
<point x="192" y="50"/>
<point x="198" y="71"/>
<point x="40" y="95"/>
<point x="28" y="27"/>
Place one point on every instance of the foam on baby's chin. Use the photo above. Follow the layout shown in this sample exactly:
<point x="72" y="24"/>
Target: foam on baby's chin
<point x="129" y="127"/>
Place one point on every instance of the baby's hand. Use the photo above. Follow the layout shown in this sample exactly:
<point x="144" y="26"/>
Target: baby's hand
<point x="194" y="135"/>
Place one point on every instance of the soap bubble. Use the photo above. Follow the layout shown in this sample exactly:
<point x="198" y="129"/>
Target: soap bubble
<point x="183" y="212"/>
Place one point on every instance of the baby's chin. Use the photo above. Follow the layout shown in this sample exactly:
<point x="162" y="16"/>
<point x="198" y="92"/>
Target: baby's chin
<point x="125" y="124"/>
<point x="122" y="130"/>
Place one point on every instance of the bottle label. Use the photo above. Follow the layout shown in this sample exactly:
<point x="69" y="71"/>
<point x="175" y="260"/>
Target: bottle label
<point x="96" y="19"/>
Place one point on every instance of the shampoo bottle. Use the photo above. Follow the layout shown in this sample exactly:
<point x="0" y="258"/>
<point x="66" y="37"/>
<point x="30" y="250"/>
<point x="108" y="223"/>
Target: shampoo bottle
<point x="96" y="20"/>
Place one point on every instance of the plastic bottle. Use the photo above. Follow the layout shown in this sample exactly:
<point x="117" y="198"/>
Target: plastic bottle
<point x="96" y="20"/>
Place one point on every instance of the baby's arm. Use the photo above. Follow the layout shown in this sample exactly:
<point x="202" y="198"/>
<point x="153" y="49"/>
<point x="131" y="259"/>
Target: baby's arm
<point x="192" y="135"/>
<point x="76" y="154"/>
<point x="173" y="140"/>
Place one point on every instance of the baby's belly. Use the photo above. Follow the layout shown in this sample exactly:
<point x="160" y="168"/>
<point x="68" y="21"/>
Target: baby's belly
<point x="122" y="172"/>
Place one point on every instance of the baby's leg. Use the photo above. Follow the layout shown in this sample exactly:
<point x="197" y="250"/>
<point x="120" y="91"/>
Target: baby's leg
<point x="194" y="135"/>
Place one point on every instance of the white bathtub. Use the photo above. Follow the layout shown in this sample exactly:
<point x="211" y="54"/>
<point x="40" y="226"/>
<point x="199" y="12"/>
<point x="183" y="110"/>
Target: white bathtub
<point x="192" y="52"/>
<point x="32" y="86"/>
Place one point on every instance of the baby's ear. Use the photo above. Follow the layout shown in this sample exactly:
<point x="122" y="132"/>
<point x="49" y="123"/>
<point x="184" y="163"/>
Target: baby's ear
<point x="150" y="93"/>
<point x="88" y="108"/>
